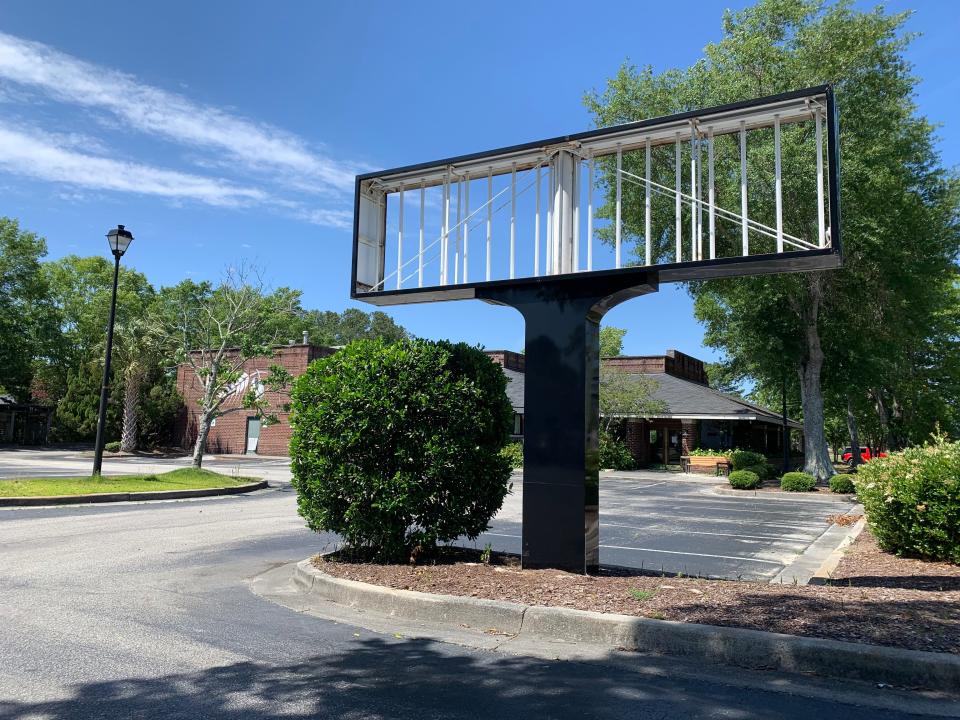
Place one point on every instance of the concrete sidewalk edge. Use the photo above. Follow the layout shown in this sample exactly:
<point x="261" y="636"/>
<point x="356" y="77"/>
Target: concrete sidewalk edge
<point x="739" y="647"/>
<point x="45" y="500"/>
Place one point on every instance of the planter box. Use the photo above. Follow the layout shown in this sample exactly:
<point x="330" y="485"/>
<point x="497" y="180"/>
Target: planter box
<point x="705" y="464"/>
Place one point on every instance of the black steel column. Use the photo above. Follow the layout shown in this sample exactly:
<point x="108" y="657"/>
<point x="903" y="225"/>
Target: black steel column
<point x="561" y="414"/>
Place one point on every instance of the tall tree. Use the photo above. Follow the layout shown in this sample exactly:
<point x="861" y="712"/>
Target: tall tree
<point x="27" y="326"/>
<point x="899" y="206"/>
<point x="611" y="341"/>
<point x="215" y="330"/>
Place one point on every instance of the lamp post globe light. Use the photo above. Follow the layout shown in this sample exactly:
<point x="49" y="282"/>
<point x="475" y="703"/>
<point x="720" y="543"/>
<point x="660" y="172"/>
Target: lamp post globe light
<point x="119" y="239"/>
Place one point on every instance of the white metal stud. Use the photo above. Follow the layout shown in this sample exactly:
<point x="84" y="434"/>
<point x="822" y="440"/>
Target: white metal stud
<point x="744" y="228"/>
<point x="513" y="220"/>
<point x="400" y="242"/>
<point x="676" y="207"/>
<point x="420" y="253"/>
<point x="619" y="202"/>
<point x="648" y="241"/>
<point x="821" y="222"/>
<point x="536" y="230"/>
<point x="590" y="214"/>
<point x="489" y="218"/>
<point x="778" y="182"/>
<point x="711" y="196"/>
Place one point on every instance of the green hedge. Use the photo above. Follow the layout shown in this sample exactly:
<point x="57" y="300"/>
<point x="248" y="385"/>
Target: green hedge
<point x="764" y="471"/>
<point x="842" y="484"/>
<point x="742" y="459"/>
<point x="396" y="447"/>
<point x="744" y="480"/>
<point x="113" y="446"/>
<point x="615" y="454"/>
<point x="798" y="482"/>
<point x="912" y="500"/>
<point x="513" y="452"/>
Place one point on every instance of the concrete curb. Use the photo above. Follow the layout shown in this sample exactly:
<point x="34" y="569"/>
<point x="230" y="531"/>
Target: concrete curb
<point x="822" y="575"/>
<point x="739" y="647"/>
<point x="41" y="500"/>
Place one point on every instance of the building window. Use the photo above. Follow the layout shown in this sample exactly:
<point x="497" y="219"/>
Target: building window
<point x="517" y="424"/>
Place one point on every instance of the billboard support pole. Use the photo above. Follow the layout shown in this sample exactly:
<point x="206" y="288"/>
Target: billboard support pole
<point x="562" y="413"/>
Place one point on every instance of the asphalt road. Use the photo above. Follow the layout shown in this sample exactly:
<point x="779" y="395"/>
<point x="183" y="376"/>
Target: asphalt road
<point x="143" y="611"/>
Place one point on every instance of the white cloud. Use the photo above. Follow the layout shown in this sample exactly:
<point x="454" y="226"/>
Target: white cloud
<point x="39" y="157"/>
<point x="153" y="111"/>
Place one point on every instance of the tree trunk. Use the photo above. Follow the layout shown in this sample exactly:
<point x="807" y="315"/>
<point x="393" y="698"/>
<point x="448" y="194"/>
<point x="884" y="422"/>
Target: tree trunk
<point x="200" y="446"/>
<point x="884" y="418"/>
<point x="131" y="404"/>
<point x="816" y="455"/>
<point x="854" y="435"/>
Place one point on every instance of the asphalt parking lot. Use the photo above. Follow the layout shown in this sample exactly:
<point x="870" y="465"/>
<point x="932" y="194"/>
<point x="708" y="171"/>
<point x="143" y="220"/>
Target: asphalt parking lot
<point x="657" y="521"/>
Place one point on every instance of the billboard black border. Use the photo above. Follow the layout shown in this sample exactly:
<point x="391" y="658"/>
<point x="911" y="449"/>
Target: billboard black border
<point x="793" y="261"/>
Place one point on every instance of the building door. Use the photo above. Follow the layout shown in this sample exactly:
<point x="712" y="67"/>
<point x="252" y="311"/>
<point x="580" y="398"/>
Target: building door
<point x="253" y="435"/>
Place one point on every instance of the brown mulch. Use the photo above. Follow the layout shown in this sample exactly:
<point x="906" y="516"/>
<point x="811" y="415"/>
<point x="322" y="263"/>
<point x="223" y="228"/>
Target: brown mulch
<point x="874" y="597"/>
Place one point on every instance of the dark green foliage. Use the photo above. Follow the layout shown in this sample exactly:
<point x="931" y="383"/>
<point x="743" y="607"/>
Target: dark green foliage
<point x="842" y="484"/>
<point x="76" y="415"/>
<point x="764" y="470"/>
<point x="513" y="452"/>
<point x="798" y="482"/>
<point x="912" y="501"/>
<point x="614" y="454"/>
<point x="397" y="446"/>
<point x="159" y="406"/>
<point x="744" y="480"/>
<point x="113" y="446"/>
<point x="326" y="327"/>
<point x="742" y="459"/>
<point x="27" y="327"/>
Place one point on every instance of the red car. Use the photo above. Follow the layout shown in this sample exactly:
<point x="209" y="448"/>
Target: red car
<point x="866" y="454"/>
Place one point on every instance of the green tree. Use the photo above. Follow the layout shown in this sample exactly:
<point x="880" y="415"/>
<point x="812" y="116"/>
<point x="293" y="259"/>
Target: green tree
<point x="899" y="206"/>
<point x="27" y="325"/>
<point x="215" y="330"/>
<point x="611" y="341"/>
<point x="326" y="327"/>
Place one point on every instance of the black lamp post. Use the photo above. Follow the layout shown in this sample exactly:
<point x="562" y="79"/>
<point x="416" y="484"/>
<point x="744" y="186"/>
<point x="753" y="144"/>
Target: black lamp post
<point x="119" y="240"/>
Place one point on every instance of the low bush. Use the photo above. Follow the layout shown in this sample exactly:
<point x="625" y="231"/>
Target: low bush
<point x="112" y="446"/>
<point x="744" y="480"/>
<point x="397" y="447"/>
<point x="513" y="452"/>
<point x="798" y="482"/>
<point x="842" y="484"/>
<point x="706" y="452"/>
<point x="615" y="455"/>
<point x="742" y="459"/>
<point x="912" y="500"/>
<point x="764" y="470"/>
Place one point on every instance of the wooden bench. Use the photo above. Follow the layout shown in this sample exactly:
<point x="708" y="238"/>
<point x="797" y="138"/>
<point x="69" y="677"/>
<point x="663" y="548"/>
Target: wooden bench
<point x="705" y="464"/>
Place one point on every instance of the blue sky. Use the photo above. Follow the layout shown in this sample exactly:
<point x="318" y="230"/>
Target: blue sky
<point x="224" y="131"/>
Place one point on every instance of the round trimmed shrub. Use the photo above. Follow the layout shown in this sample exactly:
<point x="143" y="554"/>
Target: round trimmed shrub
<point x="744" y="480"/>
<point x="912" y="501"/>
<point x="798" y="482"/>
<point x="743" y="459"/>
<point x="842" y="484"/>
<point x="615" y="454"/>
<point x="113" y="446"/>
<point x="397" y="447"/>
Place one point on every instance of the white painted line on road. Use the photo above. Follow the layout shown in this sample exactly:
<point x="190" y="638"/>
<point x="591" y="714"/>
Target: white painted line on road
<point x="677" y="552"/>
<point x="639" y="487"/>
<point x="500" y="535"/>
<point x="773" y="538"/>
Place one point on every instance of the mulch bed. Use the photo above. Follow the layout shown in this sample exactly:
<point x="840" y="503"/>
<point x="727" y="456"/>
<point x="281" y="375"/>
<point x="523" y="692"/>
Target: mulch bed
<point x="874" y="597"/>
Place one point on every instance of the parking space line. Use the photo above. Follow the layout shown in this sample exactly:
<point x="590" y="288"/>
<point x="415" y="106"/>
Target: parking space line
<point x="678" y="552"/>
<point x="773" y="538"/>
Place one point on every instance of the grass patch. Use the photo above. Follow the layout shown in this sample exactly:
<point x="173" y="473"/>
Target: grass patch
<point x="182" y="479"/>
<point x="641" y="595"/>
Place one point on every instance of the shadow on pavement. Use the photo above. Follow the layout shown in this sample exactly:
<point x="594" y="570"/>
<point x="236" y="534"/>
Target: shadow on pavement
<point x="415" y="679"/>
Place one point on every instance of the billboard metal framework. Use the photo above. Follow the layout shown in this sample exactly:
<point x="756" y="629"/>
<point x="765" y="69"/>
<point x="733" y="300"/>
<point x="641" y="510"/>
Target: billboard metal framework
<point x="416" y="262"/>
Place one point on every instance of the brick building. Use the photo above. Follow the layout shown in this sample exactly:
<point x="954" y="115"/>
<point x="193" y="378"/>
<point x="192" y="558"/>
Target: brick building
<point x="241" y="431"/>
<point x="695" y="415"/>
